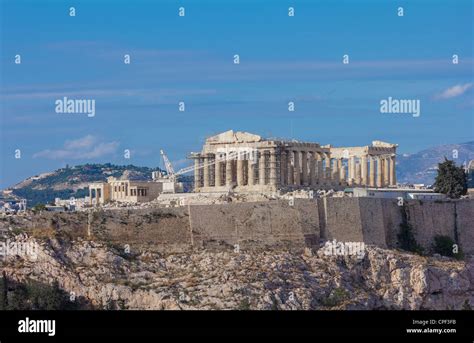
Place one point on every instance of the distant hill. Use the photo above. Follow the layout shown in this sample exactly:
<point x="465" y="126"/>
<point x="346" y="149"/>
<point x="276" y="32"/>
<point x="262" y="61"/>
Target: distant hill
<point x="73" y="181"/>
<point x="422" y="166"/>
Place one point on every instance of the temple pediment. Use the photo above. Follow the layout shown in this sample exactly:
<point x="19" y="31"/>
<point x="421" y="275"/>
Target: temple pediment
<point x="381" y="144"/>
<point x="229" y="137"/>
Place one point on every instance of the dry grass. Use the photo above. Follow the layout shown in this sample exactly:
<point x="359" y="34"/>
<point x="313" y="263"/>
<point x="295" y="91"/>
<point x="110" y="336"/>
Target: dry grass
<point x="43" y="232"/>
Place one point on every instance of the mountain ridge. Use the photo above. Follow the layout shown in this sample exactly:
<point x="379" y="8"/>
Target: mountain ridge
<point x="422" y="166"/>
<point x="73" y="181"/>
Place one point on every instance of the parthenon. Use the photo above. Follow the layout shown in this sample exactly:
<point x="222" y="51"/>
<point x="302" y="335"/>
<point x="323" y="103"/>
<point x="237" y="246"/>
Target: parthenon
<point x="246" y="162"/>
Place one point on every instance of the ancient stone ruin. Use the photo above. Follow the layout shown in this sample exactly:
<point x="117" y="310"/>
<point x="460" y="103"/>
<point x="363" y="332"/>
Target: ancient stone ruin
<point x="249" y="163"/>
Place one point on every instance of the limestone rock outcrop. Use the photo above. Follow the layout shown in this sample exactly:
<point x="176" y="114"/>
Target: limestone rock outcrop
<point x="263" y="279"/>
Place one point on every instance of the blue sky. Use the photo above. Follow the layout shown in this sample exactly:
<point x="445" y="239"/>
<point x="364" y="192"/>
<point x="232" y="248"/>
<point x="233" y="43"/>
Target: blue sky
<point x="190" y="59"/>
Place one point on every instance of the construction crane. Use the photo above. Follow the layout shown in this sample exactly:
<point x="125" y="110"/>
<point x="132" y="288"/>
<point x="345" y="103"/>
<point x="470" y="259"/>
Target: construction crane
<point x="172" y="174"/>
<point x="168" y="166"/>
<point x="186" y="170"/>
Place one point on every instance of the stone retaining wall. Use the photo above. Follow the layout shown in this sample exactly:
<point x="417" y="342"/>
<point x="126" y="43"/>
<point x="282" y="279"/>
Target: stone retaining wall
<point x="264" y="224"/>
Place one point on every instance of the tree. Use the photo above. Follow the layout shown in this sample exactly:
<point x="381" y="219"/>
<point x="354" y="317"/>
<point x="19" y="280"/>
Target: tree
<point x="39" y="208"/>
<point x="406" y="239"/>
<point x="43" y="296"/>
<point x="34" y="295"/>
<point x="3" y="292"/>
<point x="451" y="180"/>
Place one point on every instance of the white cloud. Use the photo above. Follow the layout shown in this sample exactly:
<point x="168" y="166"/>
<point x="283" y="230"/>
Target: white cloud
<point x="84" y="142"/>
<point x="454" y="91"/>
<point x="87" y="147"/>
<point x="150" y="93"/>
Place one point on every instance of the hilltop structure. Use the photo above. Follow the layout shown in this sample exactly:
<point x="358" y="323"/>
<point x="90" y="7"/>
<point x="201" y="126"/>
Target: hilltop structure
<point x="247" y="162"/>
<point x="124" y="190"/>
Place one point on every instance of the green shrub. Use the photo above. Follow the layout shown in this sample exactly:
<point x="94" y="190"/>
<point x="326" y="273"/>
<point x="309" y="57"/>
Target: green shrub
<point x="466" y="306"/>
<point x="244" y="305"/>
<point x="335" y="298"/>
<point x="39" y="207"/>
<point x="33" y="295"/>
<point x="407" y="240"/>
<point x="444" y="246"/>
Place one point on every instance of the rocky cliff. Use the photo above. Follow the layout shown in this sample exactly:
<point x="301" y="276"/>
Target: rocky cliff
<point x="110" y="277"/>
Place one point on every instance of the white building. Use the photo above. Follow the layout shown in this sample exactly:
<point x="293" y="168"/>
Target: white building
<point x="395" y="193"/>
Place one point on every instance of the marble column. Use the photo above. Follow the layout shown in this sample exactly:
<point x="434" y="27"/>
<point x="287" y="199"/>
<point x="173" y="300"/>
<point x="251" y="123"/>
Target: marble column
<point x="371" y="171"/>
<point x="273" y="168"/>
<point x="363" y="162"/>
<point x="334" y="171"/>
<point x="379" y="172"/>
<point x="197" y="179"/>
<point x="339" y="170"/>
<point x="240" y="171"/>
<point x="228" y="172"/>
<point x="304" y="168"/>
<point x="358" y="174"/>
<point x="283" y="168"/>
<point x="321" y="178"/>
<point x="386" y="171"/>
<point x="290" y="168"/>
<point x="328" y="168"/>
<point x="251" y="172"/>
<point x="312" y="169"/>
<point x="393" y="176"/>
<point x="297" y="168"/>
<point x="261" y="168"/>
<point x="205" y="168"/>
<point x="217" y="171"/>
<point x="342" y="171"/>
<point x="352" y="170"/>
